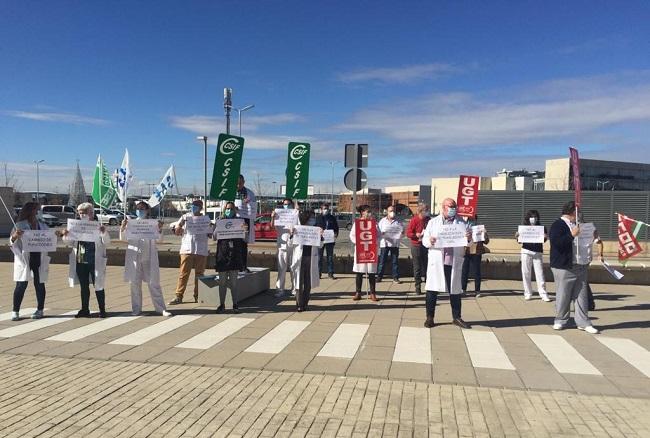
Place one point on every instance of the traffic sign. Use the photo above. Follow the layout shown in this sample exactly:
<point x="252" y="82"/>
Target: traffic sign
<point x="355" y="180"/>
<point x="356" y="155"/>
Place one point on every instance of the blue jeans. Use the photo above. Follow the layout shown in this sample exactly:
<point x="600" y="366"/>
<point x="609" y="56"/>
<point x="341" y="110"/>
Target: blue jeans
<point x="329" y="247"/>
<point x="394" y="257"/>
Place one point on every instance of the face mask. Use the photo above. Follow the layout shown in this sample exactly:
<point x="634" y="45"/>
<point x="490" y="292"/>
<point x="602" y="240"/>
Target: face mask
<point x="451" y="212"/>
<point x="196" y="209"/>
<point x="228" y="212"/>
<point x="141" y="214"/>
<point x="533" y="220"/>
<point x="391" y="214"/>
<point x="325" y="211"/>
<point x="286" y="206"/>
<point x="84" y="217"/>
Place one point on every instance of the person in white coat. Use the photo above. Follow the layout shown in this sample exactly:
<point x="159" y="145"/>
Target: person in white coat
<point x="445" y="265"/>
<point x="247" y="210"/>
<point x="364" y="268"/>
<point x="305" y="263"/>
<point x="285" y="252"/>
<point x="532" y="256"/>
<point x="392" y="231"/>
<point x="141" y="264"/>
<point x="28" y="264"/>
<point x="87" y="263"/>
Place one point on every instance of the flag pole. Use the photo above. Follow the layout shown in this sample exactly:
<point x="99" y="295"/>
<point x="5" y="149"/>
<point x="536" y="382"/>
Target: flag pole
<point x="11" y="217"/>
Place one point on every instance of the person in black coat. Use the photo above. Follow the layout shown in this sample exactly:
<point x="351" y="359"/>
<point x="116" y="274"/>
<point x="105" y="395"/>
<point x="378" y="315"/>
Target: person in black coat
<point x="228" y="261"/>
<point x="327" y="221"/>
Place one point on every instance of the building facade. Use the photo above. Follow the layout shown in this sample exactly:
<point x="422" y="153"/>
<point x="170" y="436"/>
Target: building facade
<point x="597" y="175"/>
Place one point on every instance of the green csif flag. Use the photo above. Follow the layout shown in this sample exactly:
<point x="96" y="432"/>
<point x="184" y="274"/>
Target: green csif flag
<point x="227" y="166"/>
<point x="297" y="170"/>
<point x="104" y="193"/>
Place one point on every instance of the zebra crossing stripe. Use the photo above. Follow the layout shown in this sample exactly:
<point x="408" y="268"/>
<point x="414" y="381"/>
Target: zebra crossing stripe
<point x="277" y="339"/>
<point x="7" y="316"/>
<point x="562" y="355"/>
<point x="36" y="325"/>
<point x="148" y="333"/>
<point x="216" y="334"/>
<point x="91" y="329"/>
<point x="633" y="353"/>
<point x="485" y="351"/>
<point x="413" y="345"/>
<point x="345" y="341"/>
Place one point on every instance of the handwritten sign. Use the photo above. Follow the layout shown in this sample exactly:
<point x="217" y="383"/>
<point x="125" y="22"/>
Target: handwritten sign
<point x="145" y="229"/>
<point x="451" y="235"/>
<point x="478" y="233"/>
<point x="306" y="235"/>
<point x="229" y="229"/>
<point x="530" y="234"/>
<point x="195" y="225"/>
<point x="328" y="236"/>
<point x="392" y="232"/>
<point x="285" y="218"/>
<point x="39" y="241"/>
<point x="83" y="231"/>
<point x="586" y="236"/>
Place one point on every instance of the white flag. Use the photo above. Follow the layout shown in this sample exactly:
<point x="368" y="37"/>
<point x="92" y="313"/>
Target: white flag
<point x="168" y="182"/>
<point x="124" y="176"/>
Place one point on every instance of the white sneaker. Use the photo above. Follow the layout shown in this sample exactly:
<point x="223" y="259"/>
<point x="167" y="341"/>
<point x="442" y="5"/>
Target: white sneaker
<point x="527" y="297"/>
<point x="545" y="297"/>
<point x="294" y="292"/>
<point x="590" y="329"/>
<point x="37" y="315"/>
<point x="558" y="326"/>
<point x="166" y="313"/>
<point x="15" y="316"/>
<point x="279" y="294"/>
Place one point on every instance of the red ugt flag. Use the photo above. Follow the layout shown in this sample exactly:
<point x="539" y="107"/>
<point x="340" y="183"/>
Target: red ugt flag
<point x="467" y="199"/>
<point x="575" y="165"/>
<point x="365" y="234"/>
<point x="628" y="246"/>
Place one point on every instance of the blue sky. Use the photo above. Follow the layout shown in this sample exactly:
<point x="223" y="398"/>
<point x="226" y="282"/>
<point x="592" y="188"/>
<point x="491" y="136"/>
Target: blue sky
<point x="435" y="88"/>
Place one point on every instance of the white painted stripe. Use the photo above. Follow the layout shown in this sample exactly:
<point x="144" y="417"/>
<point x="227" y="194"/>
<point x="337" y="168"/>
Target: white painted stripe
<point x="633" y="353"/>
<point x="413" y="345"/>
<point x="345" y="341"/>
<point x="25" y="313"/>
<point x="36" y="325"/>
<point x="216" y="334"/>
<point x="485" y="350"/>
<point x="277" y="339"/>
<point x="152" y="332"/>
<point x="91" y="329"/>
<point x="563" y="356"/>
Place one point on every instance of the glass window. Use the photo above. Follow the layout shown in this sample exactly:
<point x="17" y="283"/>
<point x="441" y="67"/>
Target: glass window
<point x="51" y="209"/>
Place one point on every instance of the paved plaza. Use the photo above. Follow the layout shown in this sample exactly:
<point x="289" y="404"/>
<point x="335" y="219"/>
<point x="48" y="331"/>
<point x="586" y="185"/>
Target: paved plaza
<point x="343" y="368"/>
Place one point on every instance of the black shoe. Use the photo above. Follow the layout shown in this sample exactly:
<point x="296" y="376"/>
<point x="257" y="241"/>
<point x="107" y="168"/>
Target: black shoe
<point x="196" y="298"/>
<point x="331" y="276"/>
<point x="83" y="314"/>
<point x="320" y="276"/>
<point x="379" y="279"/>
<point x="418" y="291"/>
<point x="429" y="322"/>
<point x="235" y="309"/>
<point x="102" y="314"/>
<point x="462" y="324"/>
<point x="299" y="309"/>
<point x="221" y="308"/>
<point x="177" y="300"/>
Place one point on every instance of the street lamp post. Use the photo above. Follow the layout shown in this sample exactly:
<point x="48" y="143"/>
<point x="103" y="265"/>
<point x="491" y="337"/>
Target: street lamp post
<point x="241" y="110"/>
<point x="275" y="190"/>
<point x="205" y="169"/>
<point x="38" y="182"/>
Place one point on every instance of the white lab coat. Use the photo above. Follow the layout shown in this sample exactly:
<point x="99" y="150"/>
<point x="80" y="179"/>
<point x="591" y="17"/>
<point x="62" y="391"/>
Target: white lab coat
<point x="285" y="256"/>
<point x="193" y="243"/>
<point x="100" y="260"/>
<point x="364" y="268"/>
<point x="249" y="211"/>
<point x="21" y="258"/>
<point x="295" y="266"/>
<point x="384" y="225"/>
<point x="141" y="254"/>
<point x="435" y="269"/>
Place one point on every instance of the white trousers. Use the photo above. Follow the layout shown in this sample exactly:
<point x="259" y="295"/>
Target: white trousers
<point x="526" y="273"/>
<point x="155" y="291"/>
<point x="284" y="264"/>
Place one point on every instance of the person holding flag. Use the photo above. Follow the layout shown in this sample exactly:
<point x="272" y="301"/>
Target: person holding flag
<point x="364" y="268"/>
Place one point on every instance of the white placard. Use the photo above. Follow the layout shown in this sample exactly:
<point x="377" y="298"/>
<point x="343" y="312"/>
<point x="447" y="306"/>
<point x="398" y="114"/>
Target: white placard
<point x="39" y="241"/>
<point x="586" y="236"/>
<point x="613" y="272"/>
<point x="328" y="236"/>
<point x="478" y="233"/>
<point x="393" y="232"/>
<point x="229" y="229"/>
<point x="530" y="234"/>
<point x="198" y="225"/>
<point x="83" y="231"/>
<point x="306" y="235"/>
<point x="285" y="218"/>
<point x="451" y="235"/>
<point x="145" y="229"/>
<point x="238" y="203"/>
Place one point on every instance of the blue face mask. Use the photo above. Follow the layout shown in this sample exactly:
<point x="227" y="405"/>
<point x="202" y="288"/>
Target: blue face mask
<point x="228" y="212"/>
<point x="451" y="212"/>
<point x="286" y="206"/>
<point x="141" y="214"/>
<point x="196" y="209"/>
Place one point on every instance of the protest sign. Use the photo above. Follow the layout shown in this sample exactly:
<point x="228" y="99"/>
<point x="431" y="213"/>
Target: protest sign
<point x="478" y="233"/>
<point x="451" y="235"/>
<point x="328" y="236"/>
<point x="393" y="232"/>
<point x="230" y="229"/>
<point x="285" y="218"/>
<point x="83" y="231"/>
<point x="145" y="229"/>
<point x="467" y="198"/>
<point x="586" y="236"/>
<point x="39" y="241"/>
<point x="306" y="235"/>
<point x="198" y="225"/>
<point x="297" y="170"/>
<point x="530" y="234"/>
<point x="365" y="234"/>
<point x="227" y="165"/>
<point x="613" y="272"/>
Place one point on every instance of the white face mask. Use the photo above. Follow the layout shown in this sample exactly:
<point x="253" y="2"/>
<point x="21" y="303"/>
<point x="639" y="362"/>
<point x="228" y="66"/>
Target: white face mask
<point x="533" y="220"/>
<point x="325" y="211"/>
<point x="391" y="214"/>
<point x="84" y="217"/>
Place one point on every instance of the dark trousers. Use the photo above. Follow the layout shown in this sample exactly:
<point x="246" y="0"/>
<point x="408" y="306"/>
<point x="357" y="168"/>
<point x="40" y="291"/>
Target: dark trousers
<point x="329" y="249"/>
<point x="472" y="262"/>
<point x="304" y="288"/>
<point x="86" y="275"/>
<point x="21" y="287"/>
<point x="371" y="279"/>
<point x="454" y="299"/>
<point x="419" y="257"/>
<point x="393" y="251"/>
<point x="590" y="297"/>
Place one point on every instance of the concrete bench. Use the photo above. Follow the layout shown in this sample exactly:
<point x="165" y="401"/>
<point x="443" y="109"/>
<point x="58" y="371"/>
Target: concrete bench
<point x="248" y="285"/>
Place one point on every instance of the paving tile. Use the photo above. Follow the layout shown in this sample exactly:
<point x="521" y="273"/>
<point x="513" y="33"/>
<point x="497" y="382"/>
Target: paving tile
<point x="410" y="371"/>
<point x="369" y="368"/>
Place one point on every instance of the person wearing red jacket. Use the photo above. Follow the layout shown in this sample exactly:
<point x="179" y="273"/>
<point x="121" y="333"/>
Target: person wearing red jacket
<point x="414" y="232"/>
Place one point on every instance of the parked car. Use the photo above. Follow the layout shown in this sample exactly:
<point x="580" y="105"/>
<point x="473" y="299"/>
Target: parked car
<point x="345" y="220"/>
<point x="263" y="228"/>
<point x="63" y="212"/>
<point x="49" y="220"/>
<point x="107" y="217"/>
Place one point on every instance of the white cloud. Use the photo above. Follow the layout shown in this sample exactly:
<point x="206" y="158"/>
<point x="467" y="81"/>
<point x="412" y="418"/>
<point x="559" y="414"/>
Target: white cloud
<point x="57" y="117"/>
<point x="399" y="75"/>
